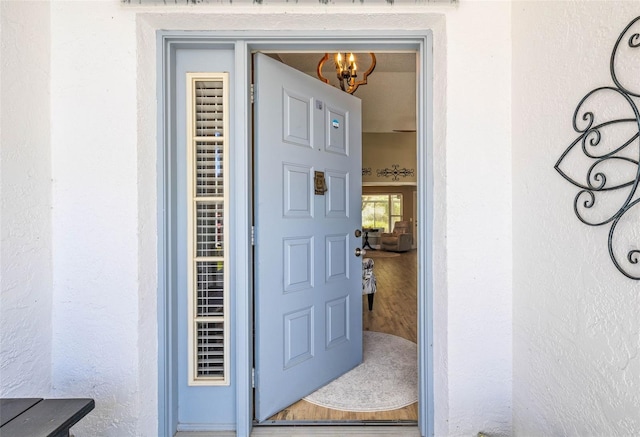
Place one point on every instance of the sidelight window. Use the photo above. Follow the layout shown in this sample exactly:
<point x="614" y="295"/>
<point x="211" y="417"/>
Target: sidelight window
<point x="207" y="235"/>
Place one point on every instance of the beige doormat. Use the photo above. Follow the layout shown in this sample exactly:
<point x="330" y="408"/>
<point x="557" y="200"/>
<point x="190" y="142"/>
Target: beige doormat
<point x="386" y="380"/>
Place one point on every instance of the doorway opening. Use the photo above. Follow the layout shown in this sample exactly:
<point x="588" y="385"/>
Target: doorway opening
<point x="234" y="49"/>
<point x="389" y="143"/>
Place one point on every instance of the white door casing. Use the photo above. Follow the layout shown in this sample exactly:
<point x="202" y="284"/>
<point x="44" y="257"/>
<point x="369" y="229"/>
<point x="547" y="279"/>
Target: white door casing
<point x="307" y="277"/>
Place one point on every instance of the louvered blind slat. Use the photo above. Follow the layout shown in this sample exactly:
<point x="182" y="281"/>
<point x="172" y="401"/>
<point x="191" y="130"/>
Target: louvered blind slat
<point x="209" y="105"/>
<point x="210" y="360"/>
<point x="209" y="109"/>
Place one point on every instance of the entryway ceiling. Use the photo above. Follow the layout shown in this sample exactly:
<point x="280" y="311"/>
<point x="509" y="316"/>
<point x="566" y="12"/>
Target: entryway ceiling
<point x="388" y="98"/>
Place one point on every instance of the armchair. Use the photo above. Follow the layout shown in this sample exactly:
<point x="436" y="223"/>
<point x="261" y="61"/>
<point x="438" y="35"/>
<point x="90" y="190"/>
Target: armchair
<point x="400" y="240"/>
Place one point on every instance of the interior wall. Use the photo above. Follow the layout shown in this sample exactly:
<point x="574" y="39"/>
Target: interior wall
<point x="25" y="212"/>
<point x="576" y="342"/>
<point x="391" y="95"/>
<point x="382" y="151"/>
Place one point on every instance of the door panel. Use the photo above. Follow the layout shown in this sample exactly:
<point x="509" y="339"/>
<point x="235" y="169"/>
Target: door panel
<point x="298" y="190"/>
<point x="337" y="198"/>
<point x="336" y="247"/>
<point x="298" y="336"/>
<point x="297" y="118"/>
<point x="307" y="278"/>
<point x="337" y="321"/>
<point x="199" y="407"/>
<point x="298" y="264"/>
<point x="336" y="137"/>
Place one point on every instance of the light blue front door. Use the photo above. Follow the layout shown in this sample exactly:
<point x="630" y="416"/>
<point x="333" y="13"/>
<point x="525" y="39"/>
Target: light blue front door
<point x="308" y="277"/>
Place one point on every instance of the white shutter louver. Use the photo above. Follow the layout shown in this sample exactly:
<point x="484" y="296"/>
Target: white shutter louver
<point x="208" y="284"/>
<point x="211" y="350"/>
<point x="209" y="109"/>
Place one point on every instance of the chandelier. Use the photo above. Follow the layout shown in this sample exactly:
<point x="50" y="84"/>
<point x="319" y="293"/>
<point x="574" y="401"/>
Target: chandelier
<point x="347" y="71"/>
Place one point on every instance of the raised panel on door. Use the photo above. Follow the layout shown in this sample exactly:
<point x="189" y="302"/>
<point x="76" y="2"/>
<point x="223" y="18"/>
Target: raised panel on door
<point x="298" y="267"/>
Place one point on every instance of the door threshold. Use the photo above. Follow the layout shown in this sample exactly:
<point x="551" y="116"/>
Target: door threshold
<point x="333" y="431"/>
<point x="337" y="423"/>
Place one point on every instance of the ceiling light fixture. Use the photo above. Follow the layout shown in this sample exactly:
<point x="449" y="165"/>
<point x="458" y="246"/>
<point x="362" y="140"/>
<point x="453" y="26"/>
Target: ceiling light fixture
<point x="347" y="71"/>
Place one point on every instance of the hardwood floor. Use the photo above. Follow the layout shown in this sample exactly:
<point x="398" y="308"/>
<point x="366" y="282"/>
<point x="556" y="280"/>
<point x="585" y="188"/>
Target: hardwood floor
<point x="396" y="302"/>
<point x="394" y="312"/>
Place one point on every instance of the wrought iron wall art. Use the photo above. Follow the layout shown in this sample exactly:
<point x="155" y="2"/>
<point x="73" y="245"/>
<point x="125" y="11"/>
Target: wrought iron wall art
<point x="366" y="171"/>
<point x="395" y="172"/>
<point x="608" y="150"/>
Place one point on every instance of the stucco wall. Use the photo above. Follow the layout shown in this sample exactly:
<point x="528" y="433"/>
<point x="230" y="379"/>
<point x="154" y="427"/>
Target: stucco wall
<point x="575" y="345"/>
<point x="104" y="229"/>
<point x="25" y="214"/>
<point x="95" y="216"/>
<point x="576" y="325"/>
<point x="478" y="218"/>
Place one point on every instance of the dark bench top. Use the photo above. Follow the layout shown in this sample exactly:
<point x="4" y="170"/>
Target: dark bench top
<point x="10" y="408"/>
<point x="31" y="417"/>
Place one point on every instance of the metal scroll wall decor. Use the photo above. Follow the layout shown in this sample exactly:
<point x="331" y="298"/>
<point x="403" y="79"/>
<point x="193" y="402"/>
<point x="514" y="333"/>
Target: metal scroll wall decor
<point x="395" y="172"/>
<point x="607" y="152"/>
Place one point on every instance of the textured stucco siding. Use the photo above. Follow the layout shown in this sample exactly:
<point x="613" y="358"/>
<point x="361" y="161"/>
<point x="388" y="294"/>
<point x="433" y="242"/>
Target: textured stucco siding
<point x="576" y="325"/>
<point x="508" y="77"/>
<point x="95" y="239"/>
<point x="479" y="218"/>
<point x="25" y="214"/>
<point x="101" y="152"/>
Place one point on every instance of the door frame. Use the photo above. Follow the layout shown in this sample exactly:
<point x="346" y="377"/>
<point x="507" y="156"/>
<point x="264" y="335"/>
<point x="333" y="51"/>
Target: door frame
<point x="244" y="43"/>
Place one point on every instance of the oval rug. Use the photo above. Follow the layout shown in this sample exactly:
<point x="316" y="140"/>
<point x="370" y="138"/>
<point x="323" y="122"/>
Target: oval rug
<point x="387" y="379"/>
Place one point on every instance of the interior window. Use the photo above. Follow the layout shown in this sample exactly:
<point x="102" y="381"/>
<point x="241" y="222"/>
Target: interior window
<point x="381" y="211"/>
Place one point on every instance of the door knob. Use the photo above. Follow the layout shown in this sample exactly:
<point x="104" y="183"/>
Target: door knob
<point x="358" y="233"/>
<point x="360" y="251"/>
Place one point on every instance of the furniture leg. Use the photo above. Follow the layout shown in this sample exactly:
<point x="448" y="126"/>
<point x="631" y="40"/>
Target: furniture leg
<point x="366" y="241"/>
